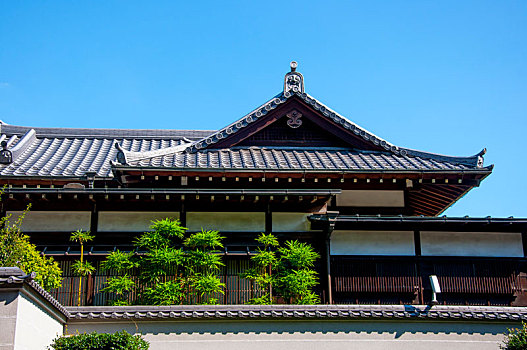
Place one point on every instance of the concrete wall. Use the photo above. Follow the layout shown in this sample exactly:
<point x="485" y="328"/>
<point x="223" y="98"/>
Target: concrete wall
<point x="53" y="221"/>
<point x="492" y="244"/>
<point x="372" y="243"/>
<point x="8" y="314"/>
<point x="308" y="335"/>
<point x="365" y="198"/>
<point x="26" y="321"/>
<point x="226" y="221"/>
<point x="35" y="327"/>
<point x="123" y="221"/>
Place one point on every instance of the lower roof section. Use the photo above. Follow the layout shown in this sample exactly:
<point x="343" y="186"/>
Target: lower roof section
<point x="434" y="223"/>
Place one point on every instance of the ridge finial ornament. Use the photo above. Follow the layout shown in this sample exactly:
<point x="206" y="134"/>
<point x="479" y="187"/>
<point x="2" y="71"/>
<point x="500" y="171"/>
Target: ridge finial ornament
<point x="293" y="65"/>
<point x="294" y="81"/>
<point x="6" y="157"/>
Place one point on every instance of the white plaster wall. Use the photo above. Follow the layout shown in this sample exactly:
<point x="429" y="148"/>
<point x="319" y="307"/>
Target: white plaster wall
<point x="127" y="221"/>
<point x="35" y="328"/>
<point x="372" y="243"/>
<point x="226" y="221"/>
<point x="53" y="221"/>
<point x="290" y="222"/>
<point x="310" y="335"/>
<point x="494" y="244"/>
<point x="365" y="198"/>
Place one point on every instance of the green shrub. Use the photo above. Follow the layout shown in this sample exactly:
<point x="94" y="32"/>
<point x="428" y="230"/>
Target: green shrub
<point x="100" y="341"/>
<point x="516" y="338"/>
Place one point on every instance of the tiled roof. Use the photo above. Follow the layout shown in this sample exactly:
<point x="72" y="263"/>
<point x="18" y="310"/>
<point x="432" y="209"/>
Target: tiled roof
<point x="319" y="312"/>
<point x="45" y="153"/>
<point x="297" y="158"/>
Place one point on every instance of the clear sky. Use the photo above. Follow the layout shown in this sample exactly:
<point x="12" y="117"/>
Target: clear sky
<point x="440" y="76"/>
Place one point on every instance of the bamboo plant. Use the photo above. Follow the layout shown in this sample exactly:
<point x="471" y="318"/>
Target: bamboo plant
<point x="80" y="267"/>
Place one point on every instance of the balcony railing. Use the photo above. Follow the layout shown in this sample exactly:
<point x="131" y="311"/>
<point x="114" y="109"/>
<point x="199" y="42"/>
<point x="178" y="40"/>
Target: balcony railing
<point x="471" y="281"/>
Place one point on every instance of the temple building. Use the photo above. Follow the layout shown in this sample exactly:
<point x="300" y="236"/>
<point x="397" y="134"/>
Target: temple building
<point x="292" y="166"/>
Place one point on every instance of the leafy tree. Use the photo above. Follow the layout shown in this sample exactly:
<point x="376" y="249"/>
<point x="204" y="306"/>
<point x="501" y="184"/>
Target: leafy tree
<point x="81" y="268"/>
<point x="173" y="265"/>
<point x="516" y="338"/>
<point x="288" y="271"/>
<point x="16" y="250"/>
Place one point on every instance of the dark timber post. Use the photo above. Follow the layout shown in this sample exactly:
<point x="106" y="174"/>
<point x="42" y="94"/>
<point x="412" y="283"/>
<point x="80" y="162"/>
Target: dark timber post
<point x="268" y="219"/>
<point x="417" y="249"/>
<point x="328" y="230"/>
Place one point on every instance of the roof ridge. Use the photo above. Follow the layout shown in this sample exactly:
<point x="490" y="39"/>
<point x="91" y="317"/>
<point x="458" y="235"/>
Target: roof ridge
<point x="98" y="132"/>
<point x="124" y="156"/>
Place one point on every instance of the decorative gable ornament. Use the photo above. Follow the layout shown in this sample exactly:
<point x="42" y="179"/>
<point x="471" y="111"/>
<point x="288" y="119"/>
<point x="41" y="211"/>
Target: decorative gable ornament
<point x="294" y="81"/>
<point x="294" y="119"/>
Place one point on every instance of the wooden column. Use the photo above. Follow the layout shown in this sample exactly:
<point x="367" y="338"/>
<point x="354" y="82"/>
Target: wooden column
<point x="417" y="243"/>
<point x="268" y="219"/>
<point x="327" y="257"/>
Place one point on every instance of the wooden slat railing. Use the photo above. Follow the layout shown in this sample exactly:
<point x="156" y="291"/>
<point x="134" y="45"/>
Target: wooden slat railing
<point x="376" y="284"/>
<point x="479" y="285"/>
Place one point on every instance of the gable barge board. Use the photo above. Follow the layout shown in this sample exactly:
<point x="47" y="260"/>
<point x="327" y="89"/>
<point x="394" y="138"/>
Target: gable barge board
<point x="307" y="112"/>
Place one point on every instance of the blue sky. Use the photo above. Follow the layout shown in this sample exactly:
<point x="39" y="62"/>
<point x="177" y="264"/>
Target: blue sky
<point x="441" y="76"/>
